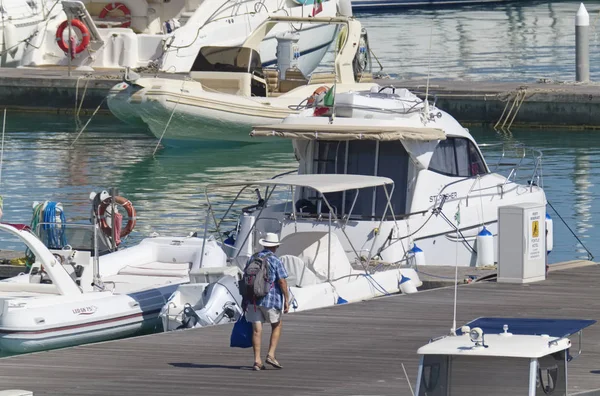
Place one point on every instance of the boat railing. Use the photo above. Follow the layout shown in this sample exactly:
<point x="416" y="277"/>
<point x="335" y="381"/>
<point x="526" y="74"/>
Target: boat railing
<point x="523" y="167"/>
<point x="520" y="163"/>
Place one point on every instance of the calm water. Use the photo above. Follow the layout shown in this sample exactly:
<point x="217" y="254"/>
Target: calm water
<point x="168" y="189"/>
<point x="520" y="40"/>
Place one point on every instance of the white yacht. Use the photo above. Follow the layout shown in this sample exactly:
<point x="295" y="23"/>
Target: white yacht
<point x="167" y="35"/>
<point x="321" y="273"/>
<point x="445" y="193"/>
<point x="228" y="90"/>
<point x="501" y="356"/>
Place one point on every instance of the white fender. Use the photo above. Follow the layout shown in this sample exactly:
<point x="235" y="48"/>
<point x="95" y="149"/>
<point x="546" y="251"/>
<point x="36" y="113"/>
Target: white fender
<point x="485" y="248"/>
<point x="549" y="233"/>
<point x="345" y="8"/>
<point x="10" y="39"/>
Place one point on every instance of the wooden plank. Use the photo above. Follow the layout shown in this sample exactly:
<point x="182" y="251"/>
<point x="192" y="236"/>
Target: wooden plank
<point x="355" y="349"/>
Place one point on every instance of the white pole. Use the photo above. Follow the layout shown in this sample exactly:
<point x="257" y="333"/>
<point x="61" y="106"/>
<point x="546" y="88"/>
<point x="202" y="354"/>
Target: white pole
<point x="2" y="146"/>
<point x="582" y="44"/>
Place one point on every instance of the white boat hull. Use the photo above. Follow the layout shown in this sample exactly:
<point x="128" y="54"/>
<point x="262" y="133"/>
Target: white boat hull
<point x="91" y="320"/>
<point x="57" y="306"/>
<point x="358" y="287"/>
<point x="184" y="110"/>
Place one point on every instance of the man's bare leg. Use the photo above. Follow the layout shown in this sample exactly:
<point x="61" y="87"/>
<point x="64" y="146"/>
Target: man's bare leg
<point x="256" y="340"/>
<point x="275" y="334"/>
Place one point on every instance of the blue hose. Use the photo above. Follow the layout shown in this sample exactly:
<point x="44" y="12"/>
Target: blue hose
<point x="55" y="238"/>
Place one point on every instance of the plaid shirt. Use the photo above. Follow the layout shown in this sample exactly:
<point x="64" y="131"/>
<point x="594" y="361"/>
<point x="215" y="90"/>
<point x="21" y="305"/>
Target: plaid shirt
<point x="274" y="299"/>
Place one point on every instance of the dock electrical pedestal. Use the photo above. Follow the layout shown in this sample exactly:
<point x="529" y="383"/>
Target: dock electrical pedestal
<point x="522" y="243"/>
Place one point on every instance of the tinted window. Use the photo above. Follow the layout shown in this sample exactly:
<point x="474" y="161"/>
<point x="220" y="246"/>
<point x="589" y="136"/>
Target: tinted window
<point x="392" y="161"/>
<point x="457" y="157"/>
<point x="227" y="59"/>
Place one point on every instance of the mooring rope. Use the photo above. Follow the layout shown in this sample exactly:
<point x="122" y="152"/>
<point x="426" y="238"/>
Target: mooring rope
<point x="87" y="123"/>
<point x="170" y="118"/>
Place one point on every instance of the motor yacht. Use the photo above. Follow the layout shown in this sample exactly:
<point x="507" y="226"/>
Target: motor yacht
<point x="164" y="35"/>
<point x="228" y="90"/>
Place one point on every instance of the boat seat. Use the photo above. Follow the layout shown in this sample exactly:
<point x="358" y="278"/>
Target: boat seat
<point x="134" y="283"/>
<point x="272" y="79"/>
<point x="225" y="82"/>
<point x="322" y="78"/>
<point x="157" y="268"/>
<point x="293" y="79"/>
<point x="213" y="274"/>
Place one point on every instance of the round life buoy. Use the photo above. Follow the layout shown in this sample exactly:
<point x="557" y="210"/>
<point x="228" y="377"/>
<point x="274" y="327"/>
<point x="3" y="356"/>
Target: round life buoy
<point x="85" y="36"/>
<point x="127" y="205"/>
<point x="313" y="98"/>
<point x="117" y="6"/>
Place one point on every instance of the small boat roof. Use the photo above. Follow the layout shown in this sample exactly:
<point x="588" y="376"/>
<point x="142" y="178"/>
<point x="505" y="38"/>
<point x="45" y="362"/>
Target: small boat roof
<point x="498" y="345"/>
<point x="524" y="338"/>
<point x="323" y="183"/>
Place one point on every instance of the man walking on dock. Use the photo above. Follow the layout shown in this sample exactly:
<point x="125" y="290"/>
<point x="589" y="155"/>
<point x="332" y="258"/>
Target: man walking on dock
<point x="265" y="271"/>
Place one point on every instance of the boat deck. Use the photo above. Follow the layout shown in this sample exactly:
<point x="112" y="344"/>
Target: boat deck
<point x="357" y="349"/>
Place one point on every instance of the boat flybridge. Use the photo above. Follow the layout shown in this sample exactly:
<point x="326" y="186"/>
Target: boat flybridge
<point x="321" y="273"/>
<point x="500" y="356"/>
<point x="73" y="295"/>
<point x="228" y="90"/>
<point x="446" y="197"/>
<point x="166" y="35"/>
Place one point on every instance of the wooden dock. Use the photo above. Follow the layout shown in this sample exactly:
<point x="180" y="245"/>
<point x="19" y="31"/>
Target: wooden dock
<point x="356" y="349"/>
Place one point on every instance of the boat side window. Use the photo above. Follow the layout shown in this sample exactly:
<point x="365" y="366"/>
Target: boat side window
<point x="457" y="157"/>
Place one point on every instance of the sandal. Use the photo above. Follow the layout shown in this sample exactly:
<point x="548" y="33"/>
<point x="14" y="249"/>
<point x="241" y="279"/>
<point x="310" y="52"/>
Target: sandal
<point x="258" y="367"/>
<point x="273" y="362"/>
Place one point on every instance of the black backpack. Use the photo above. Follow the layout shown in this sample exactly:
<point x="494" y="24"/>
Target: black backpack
<point x="255" y="282"/>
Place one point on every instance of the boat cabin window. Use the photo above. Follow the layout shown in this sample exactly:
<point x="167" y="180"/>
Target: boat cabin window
<point x="365" y="157"/>
<point x="444" y="375"/>
<point x="457" y="157"/>
<point x="228" y="59"/>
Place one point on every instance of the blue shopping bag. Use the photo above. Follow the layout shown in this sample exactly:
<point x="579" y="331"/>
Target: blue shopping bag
<point x="241" y="335"/>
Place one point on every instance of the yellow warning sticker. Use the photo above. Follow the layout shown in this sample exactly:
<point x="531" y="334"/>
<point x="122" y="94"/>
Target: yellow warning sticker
<point x="535" y="229"/>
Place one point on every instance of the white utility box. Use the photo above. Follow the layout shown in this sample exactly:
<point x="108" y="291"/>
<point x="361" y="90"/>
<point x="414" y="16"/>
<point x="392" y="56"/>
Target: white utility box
<point x="522" y="243"/>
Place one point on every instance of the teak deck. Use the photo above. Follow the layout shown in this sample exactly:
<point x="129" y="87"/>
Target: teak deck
<point x="357" y="349"/>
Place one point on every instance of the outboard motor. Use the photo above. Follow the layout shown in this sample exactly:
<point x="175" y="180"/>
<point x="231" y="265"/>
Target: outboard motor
<point x="362" y="60"/>
<point x="222" y="302"/>
<point x="189" y="318"/>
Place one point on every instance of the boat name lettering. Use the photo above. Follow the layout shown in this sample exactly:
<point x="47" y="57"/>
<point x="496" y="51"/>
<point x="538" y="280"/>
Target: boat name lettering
<point x="85" y="310"/>
<point x="452" y="195"/>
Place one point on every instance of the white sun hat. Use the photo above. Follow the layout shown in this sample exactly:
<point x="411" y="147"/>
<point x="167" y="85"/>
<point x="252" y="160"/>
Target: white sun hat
<point x="270" y="240"/>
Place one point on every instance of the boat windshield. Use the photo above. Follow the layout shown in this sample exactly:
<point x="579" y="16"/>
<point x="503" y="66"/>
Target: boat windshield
<point x="227" y="59"/>
<point x="369" y="157"/>
<point x="77" y="236"/>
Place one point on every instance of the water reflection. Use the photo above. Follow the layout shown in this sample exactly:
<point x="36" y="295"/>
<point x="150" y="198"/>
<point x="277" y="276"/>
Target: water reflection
<point x="168" y="189"/>
<point x="519" y="41"/>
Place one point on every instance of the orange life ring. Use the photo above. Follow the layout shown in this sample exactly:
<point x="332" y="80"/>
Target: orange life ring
<point x="116" y="6"/>
<point x="127" y="205"/>
<point x="85" y="36"/>
<point x="312" y="98"/>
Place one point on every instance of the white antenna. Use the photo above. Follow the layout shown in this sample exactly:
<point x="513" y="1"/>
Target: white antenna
<point x="457" y="218"/>
<point x="426" y="105"/>
<point x="2" y="146"/>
